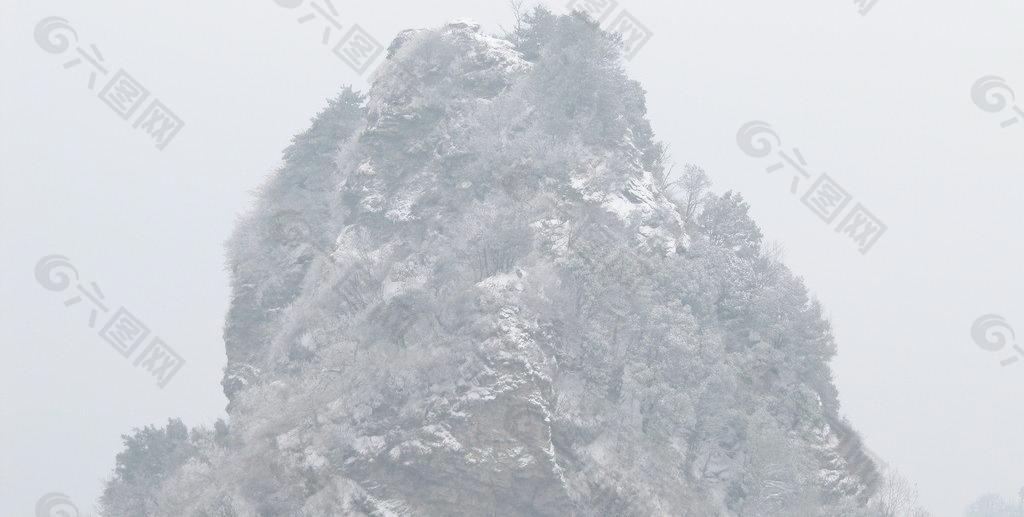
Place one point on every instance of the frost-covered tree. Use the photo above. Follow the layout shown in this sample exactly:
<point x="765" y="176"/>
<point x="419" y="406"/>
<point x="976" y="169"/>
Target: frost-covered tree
<point x="150" y="456"/>
<point x="994" y="505"/>
<point x="896" y="497"/>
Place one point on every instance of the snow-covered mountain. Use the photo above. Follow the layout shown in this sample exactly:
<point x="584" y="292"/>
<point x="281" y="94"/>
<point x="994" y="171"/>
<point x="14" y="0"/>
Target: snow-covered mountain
<point x="479" y="289"/>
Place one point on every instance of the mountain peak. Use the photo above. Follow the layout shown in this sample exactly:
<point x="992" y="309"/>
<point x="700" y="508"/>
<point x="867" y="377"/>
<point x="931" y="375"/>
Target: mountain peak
<point x="478" y="289"/>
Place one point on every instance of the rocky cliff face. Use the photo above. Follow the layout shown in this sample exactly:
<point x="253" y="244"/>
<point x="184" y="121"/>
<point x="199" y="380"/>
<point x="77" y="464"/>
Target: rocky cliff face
<point x="476" y="290"/>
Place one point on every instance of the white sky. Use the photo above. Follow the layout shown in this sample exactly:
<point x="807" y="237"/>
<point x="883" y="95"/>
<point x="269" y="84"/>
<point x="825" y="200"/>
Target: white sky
<point x="881" y="103"/>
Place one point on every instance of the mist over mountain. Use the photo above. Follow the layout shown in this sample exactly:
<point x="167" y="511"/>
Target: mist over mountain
<point x="482" y="288"/>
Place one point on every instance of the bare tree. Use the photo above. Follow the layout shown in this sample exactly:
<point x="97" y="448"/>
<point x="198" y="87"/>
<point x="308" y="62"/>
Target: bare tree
<point x="897" y="497"/>
<point x="688" y="191"/>
<point x="518" y="13"/>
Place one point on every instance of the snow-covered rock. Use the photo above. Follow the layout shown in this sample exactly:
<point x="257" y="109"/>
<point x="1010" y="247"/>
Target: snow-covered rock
<point x="472" y="292"/>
